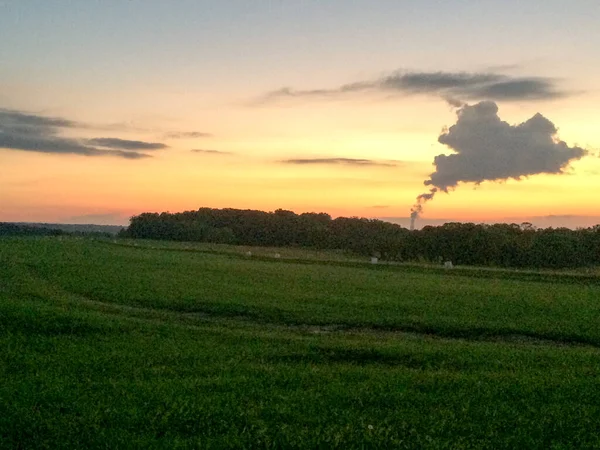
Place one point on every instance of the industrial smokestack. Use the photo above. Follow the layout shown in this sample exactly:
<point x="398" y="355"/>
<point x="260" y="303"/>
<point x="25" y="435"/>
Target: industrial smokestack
<point x="417" y="208"/>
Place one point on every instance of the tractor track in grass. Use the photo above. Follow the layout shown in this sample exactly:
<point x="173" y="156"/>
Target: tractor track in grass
<point x="241" y="315"/>
<point x="201" y="317"/>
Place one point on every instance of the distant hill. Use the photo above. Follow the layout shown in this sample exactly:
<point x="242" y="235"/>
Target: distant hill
<point x="70" y="228"/>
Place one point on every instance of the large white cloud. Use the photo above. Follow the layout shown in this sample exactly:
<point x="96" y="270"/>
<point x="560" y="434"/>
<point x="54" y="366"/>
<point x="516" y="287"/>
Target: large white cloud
<point x="487" y="148"/>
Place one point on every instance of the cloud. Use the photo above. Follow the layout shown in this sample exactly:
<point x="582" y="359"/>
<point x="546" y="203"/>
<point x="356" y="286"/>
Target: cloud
<point x="58" y="145"/>
<point x="124" y="144"/>
<point x="18" y="119"/>
<point x="187" y="135"/>
<point x="36" y="133"/>
<point x="486" y="148"/>
<point x="339" y="161"/>
<point x="454" y="102"/>
<point x="448" y="85"/>
<point x="210" y="152"/>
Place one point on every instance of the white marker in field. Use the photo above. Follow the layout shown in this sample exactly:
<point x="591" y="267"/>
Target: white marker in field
<point x="448" y="265"/>
<point x="374" y="260"/>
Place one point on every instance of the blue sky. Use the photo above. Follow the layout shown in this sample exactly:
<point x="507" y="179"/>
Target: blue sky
<point x="103" y="40"/>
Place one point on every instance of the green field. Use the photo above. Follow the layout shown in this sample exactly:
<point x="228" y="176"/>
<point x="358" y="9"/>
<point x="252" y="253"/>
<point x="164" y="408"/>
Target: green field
<point x="118" y="346"/>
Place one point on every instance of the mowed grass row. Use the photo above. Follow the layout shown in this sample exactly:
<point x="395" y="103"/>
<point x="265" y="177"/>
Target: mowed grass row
<point x="125" y="348"/>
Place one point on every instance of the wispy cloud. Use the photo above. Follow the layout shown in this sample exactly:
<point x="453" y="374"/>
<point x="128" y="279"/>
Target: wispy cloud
<point x="339" y="161"/>
<point x="187" y="135"/>
<point x="134" y="126"/>
<point x="210" y="152"/>
<point x="447" y="85"/>
<point x="37" y="133"/>
<point x="58" y="145"/>
<point x="124" y="144"/>
<point x="18" y="119"/>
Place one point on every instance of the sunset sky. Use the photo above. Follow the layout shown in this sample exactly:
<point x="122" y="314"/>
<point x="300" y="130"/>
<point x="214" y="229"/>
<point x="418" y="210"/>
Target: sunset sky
<point x="112" y="108"/>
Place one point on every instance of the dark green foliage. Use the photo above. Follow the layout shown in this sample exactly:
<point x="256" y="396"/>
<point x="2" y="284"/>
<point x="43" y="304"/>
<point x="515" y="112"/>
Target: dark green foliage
<point x="13" y="229"/>
<point x="498" y="245"/>
<point x="280" y="229"/>
<point x="18" y="229"/>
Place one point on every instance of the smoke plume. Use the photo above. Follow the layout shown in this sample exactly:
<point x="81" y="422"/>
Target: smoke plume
<point x="487" y="148"/>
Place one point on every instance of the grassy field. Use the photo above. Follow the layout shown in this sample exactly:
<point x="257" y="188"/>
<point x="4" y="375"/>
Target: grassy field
<point x="115" y="346"/>
<point x="296" y="253"/>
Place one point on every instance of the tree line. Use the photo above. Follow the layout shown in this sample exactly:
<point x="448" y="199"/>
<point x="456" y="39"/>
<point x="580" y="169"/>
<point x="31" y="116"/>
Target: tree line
<point x="8" y="229"/>
<point x="499" y="245"/>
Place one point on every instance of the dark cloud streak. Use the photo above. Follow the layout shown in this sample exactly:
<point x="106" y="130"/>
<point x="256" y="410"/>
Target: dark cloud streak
<point x="448" y="85"/>
<point x="36" y="133"/>
<point x="187" y="135"/>
<point x="338" y="161"/>
<point x="12" y="118"/>
<point x="210" y="152"/>
<point x="57" y="145"/>
<point x="124" y="144"/>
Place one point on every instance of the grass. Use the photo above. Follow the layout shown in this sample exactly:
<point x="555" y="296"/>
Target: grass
<point x="111" y="346"/>
<point x="288" y="253"/>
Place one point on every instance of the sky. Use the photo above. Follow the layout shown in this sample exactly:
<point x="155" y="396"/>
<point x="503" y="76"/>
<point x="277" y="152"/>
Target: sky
<point x="456" y="110"/>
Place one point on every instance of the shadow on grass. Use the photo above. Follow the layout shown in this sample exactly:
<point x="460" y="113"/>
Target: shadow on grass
<point x="363" y="357"/>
